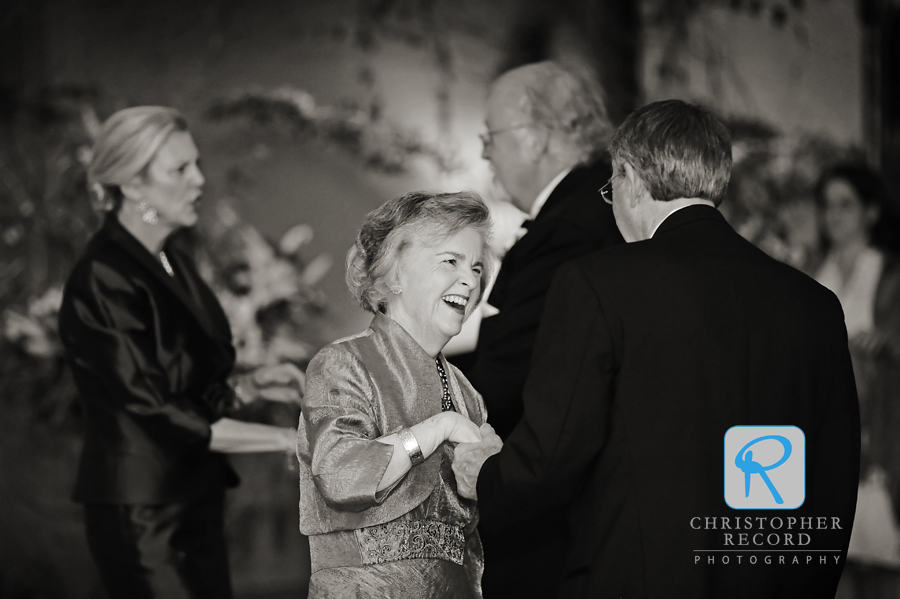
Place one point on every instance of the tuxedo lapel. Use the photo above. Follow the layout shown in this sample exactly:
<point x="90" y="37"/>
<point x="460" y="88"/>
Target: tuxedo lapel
<point x="142" y="255"/>
<point x="537" y="231"/>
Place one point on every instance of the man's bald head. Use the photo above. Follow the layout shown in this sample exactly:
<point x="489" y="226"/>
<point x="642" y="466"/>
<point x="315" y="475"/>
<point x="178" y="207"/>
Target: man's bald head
<point x="541" y="120"/>
<point x="549" y="96"/>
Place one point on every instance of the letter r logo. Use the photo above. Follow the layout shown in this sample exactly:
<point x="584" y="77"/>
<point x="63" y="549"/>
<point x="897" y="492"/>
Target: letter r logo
<point x="765" y="467"/>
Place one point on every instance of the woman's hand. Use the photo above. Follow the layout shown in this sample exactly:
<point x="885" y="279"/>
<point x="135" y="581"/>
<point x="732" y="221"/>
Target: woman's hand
<point x="429" y="434"/>
<point x="459" y="429"/>
<point x="283" y="383"/>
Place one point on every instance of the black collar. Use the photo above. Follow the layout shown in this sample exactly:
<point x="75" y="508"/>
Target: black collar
<point x="120" y="235"/>
<point x="577" y="177"/>
<point x="687" y="215"/>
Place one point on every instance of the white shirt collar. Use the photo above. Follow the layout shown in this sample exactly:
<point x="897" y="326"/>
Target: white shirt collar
<point x="653" y="232"/>
<point x="542" y="197"/>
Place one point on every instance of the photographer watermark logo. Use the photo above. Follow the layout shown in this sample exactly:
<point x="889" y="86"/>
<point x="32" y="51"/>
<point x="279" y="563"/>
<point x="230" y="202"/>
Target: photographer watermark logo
<point x="765" y="467"/>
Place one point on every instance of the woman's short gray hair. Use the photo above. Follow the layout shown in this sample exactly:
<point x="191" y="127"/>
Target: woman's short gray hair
<point x="390" y="228"/>
<point x="127" y="144"/>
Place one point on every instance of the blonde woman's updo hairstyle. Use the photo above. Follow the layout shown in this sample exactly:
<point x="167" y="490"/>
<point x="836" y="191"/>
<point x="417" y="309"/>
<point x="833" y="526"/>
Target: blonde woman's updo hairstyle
<point x="127" y="144"/>
<point x="390" y="229"/>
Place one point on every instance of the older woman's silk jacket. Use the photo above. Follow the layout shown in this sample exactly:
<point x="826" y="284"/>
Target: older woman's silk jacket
<point x="360" y="389"/>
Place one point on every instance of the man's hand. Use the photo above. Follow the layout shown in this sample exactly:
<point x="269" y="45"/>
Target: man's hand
<point x="469" y="457"/>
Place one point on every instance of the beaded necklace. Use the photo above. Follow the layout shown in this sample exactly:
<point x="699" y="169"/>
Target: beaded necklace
<point x="446" y="402"/>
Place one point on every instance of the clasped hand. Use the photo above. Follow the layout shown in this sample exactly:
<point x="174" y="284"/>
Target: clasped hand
<point x="282" y="383"/>
<point x="469" y="457"/>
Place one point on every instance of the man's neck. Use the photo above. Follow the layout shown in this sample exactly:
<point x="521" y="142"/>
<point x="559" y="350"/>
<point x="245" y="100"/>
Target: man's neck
<point x="663" y="210"/>
<point x="546" y="191"/>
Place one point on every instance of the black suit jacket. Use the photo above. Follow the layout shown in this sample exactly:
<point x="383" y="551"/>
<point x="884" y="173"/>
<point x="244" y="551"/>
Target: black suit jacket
<point x="647" y="354"/>
<point x="574" y="221"/>
<point x="150" y="354"/>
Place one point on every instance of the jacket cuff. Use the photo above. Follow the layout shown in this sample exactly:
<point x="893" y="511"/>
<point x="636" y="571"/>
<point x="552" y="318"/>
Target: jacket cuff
<point x="219" y="399"/>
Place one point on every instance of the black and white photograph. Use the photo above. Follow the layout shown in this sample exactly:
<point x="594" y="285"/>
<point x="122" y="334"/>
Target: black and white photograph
<point x="422" y="299"/>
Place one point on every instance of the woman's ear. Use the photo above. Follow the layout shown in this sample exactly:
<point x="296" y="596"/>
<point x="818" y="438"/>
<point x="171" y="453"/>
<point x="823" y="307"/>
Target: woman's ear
<point x="873" y="213"/>
<point x="133" y="190"/>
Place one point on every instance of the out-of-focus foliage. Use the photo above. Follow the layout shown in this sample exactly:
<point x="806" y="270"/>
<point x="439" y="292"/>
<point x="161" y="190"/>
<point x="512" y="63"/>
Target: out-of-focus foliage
<point x="770" y="196"/>
<point x="268" y="291"/>
<point x="363" y="133"/>
<point x="669" y="20"/>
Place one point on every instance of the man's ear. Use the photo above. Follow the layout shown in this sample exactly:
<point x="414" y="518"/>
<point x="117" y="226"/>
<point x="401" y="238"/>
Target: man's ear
<point x="635" y="184"/>
<point x="535" y="144"/>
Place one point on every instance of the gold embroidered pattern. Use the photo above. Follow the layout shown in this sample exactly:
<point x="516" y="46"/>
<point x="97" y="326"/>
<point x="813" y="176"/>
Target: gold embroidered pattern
<point x="411" y="539"/>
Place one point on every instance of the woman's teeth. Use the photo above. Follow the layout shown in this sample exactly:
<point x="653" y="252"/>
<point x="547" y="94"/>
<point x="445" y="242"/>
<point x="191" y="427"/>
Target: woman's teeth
<point x="456" y="301"/>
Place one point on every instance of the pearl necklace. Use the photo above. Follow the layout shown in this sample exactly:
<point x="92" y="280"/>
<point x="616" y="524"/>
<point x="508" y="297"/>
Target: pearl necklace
<point x="165" y="264"/>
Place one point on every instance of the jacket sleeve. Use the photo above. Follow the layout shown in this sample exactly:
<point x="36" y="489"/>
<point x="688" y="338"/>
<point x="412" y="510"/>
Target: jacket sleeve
<point x="507" y="339"/>
<point x="346" y="461"/>
<point x="567" y="402"/>
<point x="109" y="323"/>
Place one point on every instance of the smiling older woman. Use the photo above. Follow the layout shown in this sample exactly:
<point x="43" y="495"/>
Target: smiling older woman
<point x="384" y="409"/>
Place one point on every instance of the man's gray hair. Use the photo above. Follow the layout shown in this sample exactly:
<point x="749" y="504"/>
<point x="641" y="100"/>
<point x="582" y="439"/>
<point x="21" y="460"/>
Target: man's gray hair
<point x="571" y="107"/>
<point x="679" y="150"/>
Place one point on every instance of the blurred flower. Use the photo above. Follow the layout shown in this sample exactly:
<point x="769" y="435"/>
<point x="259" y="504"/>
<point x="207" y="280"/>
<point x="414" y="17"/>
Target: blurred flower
<point x="13" y="235"/>
<point x="316" y="270"/>
<point x="48" y="304"/>
<point x="295" y="238"/>
<point x="84" y="154"/>
<point x="28" y="334"/>
<point x="35" y="332"/>
<point x="267" y="291"/>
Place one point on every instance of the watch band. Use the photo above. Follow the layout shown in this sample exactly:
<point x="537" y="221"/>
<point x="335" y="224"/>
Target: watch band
<point x="411" y="446"/>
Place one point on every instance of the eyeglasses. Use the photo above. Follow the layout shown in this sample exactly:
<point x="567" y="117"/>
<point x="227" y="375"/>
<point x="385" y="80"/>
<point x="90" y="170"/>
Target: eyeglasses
<point x="487" y="138"/>
<point x="606" y="191"/>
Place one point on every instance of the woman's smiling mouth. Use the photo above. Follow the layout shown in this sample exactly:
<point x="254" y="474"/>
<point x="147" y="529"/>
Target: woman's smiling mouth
<point x="457" y="302"/>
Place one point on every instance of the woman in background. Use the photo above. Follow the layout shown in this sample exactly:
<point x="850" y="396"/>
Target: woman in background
<point x="860" y="268"/>
<point x="151" y="352"/>
<point x="383" y="410"/>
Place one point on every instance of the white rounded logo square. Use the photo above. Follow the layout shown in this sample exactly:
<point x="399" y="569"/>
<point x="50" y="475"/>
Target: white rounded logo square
<point x="765" y="467"/>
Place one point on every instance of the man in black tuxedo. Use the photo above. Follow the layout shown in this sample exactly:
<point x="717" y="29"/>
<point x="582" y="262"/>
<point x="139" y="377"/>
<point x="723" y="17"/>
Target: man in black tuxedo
<point x="647" y="355"/>
<point x="545" y="130"/>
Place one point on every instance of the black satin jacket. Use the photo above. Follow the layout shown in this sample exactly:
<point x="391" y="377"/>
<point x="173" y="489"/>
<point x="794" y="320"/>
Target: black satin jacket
<point x="150" y="354"/>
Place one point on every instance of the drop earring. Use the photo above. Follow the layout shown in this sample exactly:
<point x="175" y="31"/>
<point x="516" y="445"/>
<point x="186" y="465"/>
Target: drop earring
<point x="395" y="289"/>
<point x="148" y="214"/>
